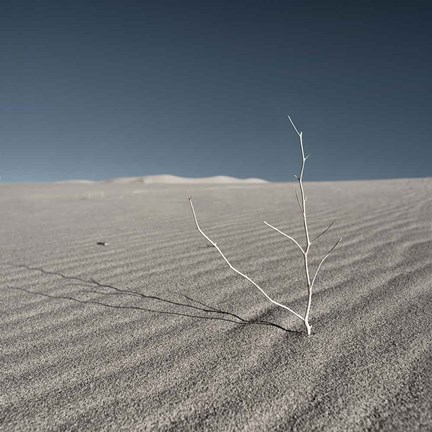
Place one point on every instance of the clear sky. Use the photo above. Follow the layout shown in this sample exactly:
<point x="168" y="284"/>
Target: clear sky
<point x="100" y="89"/>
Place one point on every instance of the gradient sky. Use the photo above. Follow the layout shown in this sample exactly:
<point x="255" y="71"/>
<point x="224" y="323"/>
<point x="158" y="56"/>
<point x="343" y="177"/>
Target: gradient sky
<point x="100" y="89"/>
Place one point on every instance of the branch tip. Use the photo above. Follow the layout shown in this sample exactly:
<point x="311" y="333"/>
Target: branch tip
<point x="294" y="126"/>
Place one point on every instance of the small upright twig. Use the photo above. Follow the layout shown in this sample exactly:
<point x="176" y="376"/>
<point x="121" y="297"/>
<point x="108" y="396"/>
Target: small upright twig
<point x="304" y="250"/>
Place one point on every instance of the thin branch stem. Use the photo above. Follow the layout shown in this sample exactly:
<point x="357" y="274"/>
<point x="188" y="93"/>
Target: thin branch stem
<point x="310" y="283"/>
<point x="319" y="235"/>
<point x="294" y="126"/>
<point x="298" y="202"/>
<point x="286" y="235"/>
<point x="322" y="261"/>
<point x="305" y="226"/>
<point x="234" y="269"/>
<point x="302" y="193"/>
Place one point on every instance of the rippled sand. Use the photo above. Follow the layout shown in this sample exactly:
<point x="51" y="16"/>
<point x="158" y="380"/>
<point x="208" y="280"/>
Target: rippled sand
<point x="155" y="332"/>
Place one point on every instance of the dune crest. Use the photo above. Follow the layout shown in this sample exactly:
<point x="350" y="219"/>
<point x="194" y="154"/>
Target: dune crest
<point x="171" y="179"/>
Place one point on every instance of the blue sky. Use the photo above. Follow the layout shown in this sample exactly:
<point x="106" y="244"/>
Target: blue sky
<point x="100" y="89"/>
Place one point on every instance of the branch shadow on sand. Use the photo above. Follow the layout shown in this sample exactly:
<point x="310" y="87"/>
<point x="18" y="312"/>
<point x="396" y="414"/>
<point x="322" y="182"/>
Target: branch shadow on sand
<point x="193" y="307"/>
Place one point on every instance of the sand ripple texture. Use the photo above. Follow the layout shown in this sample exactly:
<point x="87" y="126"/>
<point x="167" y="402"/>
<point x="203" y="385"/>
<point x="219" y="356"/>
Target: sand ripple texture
<point x="153" y="332"/>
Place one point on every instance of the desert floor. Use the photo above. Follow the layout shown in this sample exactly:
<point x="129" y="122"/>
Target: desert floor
<point x="155" y="332"/>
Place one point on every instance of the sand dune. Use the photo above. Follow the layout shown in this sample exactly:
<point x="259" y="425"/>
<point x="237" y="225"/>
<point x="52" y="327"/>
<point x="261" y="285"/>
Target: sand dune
<point x="155" y="332"/>
<point x="170" y="179"/>
<point x="77" y="181"/>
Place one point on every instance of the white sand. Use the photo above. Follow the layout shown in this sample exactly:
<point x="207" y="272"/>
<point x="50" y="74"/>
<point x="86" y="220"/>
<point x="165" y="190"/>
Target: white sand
<point x="170" y="179"/>
<point x="155" y="332"/>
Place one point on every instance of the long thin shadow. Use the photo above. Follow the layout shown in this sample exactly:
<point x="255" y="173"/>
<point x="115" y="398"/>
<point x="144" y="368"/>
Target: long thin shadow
<point x="92" y="281"/>
<point x="123" y="307"/>
<point x="120" y="291"/>
<point x="217" y="310"/>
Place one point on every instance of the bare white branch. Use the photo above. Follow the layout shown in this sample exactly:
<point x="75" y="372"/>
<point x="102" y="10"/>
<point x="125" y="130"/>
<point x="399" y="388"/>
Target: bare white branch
<point x="301" y="199"/>
<point x="306" y="229"/>
<point x="234" y="269"/>
<point x="286" y="235"/>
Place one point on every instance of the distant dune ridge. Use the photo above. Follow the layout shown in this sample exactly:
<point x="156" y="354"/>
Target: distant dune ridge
<point x="116" y="315"/>
<point x="77" y="181"/>
<point x="172" y="179"/>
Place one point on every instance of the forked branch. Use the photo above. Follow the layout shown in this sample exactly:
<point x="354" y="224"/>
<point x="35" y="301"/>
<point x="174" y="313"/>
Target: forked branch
<point x="301" y="198"/>
<point x="310" y="282"/>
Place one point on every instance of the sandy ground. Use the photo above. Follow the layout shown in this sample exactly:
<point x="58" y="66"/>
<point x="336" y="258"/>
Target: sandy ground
<point x="155" y="332"/>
